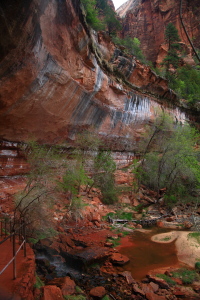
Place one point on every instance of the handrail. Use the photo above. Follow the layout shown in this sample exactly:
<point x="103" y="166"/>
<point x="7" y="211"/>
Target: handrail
<point x="8" y="237"/>
<point x="22" y="234"/>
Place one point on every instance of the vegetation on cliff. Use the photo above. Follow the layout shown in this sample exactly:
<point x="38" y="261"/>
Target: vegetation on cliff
<point x="183" y="79"/>
<point x="172" y="39"/>
<point x="100" y="16"/>
<point x="170" y="160"/>
<point x="132" y="46"/>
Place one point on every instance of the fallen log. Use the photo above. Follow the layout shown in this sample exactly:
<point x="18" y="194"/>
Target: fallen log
<point x="144" y="222"/>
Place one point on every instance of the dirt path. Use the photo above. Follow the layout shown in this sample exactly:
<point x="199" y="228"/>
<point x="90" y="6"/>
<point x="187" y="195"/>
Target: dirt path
<point x="8" y="286"/>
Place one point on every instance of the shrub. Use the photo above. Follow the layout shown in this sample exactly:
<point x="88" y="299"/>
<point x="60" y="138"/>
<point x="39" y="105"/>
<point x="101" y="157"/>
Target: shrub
<point x="197" y="265"/>
<point x="166" y="278"/>
<point x="132" y="46"/>
<point x="39" y="283"/>
<point x="195" y="235"/>
<point x="104" y="167"/>
<point x="187" y="276"/>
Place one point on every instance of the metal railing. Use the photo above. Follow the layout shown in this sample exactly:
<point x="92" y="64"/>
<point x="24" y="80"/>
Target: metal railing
<point x="7" y="232"/>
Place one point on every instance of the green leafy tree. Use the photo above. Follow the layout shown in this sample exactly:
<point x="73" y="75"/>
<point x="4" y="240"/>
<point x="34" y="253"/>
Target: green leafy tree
<point x="132" y="46"/>
<point x="172" y="38"/>
<point x="100" y="16"/>
<point x="170" y="160"/>
<point x="187" y="84"/>
<point x="112" y="23"/>
<point x="74" y="177"/>
<point x="92" y="14"/>
<point x="104" y="167"/>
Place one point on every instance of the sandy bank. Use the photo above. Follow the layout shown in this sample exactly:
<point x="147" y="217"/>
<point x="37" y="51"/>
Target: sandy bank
<point x="188" y="249"/>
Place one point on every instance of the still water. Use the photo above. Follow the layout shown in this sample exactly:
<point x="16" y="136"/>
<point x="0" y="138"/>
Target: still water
<point x="146" y="255"/>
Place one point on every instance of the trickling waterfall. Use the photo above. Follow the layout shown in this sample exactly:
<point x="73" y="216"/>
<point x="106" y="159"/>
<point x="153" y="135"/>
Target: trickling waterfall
<point x="99" y="78"/>
<point x="140" y="109"/>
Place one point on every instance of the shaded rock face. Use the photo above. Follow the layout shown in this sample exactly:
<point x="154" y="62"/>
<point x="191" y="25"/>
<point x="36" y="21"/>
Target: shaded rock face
<point x="52" y="84"/>
<point x="147" y="21"/>
<point x="12" y="161"/>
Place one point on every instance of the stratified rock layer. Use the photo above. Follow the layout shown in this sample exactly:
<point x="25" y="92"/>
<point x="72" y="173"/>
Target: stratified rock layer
<point x="147" y="21"/>
<point x="53" y="79"/>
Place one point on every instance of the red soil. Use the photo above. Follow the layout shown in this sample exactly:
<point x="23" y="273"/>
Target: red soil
<point x="9" y="287"/>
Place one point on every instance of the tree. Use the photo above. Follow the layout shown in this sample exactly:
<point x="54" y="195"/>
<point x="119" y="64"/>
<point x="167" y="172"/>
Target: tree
<point x="112" y="23"/>
<point x="187" y="84"/>
<point x="170" y="160"/>
<point x="132" y="46"/>
<point x="109" y="16"/>
<point x="31" y="204"/>
<point x="92" y="14"/>
<point x="99" y="15"/>
<point x="172" y="38"/>
<point x="74" y="177"/>
<point x="104" y="168"/>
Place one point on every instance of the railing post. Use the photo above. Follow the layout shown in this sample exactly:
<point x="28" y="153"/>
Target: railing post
<point x="1" y="228"/>
<point x="5" y="226"/>
<point x="14" y="260"/>
<point x="19" y="232"/>
<point x="10" y="230"/>
<point x="24" y="233"/>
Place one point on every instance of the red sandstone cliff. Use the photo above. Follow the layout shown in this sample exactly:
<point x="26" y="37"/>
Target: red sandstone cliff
<point x="147" y="19"/>
<point x="57" y="76"/>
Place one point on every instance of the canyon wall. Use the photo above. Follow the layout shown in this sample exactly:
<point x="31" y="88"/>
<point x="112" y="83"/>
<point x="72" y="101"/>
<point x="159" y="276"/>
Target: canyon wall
<point x="147" y="20"/>
<point x="58" y="77"/>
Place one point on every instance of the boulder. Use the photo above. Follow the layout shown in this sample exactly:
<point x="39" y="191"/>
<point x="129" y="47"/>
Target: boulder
<point x="161" y="282"/>
<point x="128" y="277"/>
<point x="137" y="290"/>
<point x="68" y="287"/>
<point x="98" y="292"/>
<point x="119" y="259"/>
<point x="52" y="292"/>
<point x="153" y="296"/>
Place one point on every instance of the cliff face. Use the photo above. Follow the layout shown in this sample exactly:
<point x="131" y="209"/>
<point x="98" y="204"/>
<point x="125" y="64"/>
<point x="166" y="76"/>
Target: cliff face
<point x="57" y="77"/>
<point x="147" y="20"/>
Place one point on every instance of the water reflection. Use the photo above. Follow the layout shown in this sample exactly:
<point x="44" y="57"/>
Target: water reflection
<point x="146" y="255"/>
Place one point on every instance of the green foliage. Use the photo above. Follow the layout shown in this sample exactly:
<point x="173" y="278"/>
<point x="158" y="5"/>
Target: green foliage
<point x="87" y="140"/>
<point x="78" y="289"/>
<point x="132" y="46"/>
<point x="75" y="297"/>
<point x="111" y="21"/>
<point x="195" y="235"/>
<point x="197" y="265"/>
<point x="106" y="297"/>
<point x="166" y="278"/>
<point x="171" y="200"/>
<point x="99" y="15"/>
<point x="169" y="159"/>
<point x="171" y="35"/>
<point x="47" y="233"/>
<point x="32" y="240"/>
<point x="73" y="178"/>
<point x="119" y="214"/>
<point x="114" y="242"/>
<point x="39" y="283"/>
<point x="104" y="167"/>
<point x="186" y="84"/>
<point x="187" y="276"/>
<point x="172" y="38"/>
<point x="92" y="14"/>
